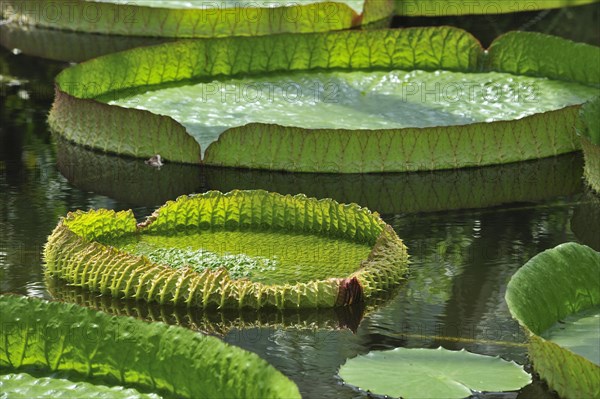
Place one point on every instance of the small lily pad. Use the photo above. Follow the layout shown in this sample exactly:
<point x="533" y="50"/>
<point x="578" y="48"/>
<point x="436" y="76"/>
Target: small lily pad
<point x="235" y="250"/>
<point x="432" y="373"/>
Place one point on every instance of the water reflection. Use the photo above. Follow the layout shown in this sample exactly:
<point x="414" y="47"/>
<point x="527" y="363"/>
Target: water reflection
<point x="60" y="45"/>
<point x="131" y="180"/>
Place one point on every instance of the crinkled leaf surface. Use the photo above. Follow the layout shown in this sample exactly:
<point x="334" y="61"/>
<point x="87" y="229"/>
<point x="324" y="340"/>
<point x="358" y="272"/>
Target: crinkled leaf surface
<point x="172" y="361"/>
<point x="86" y="249"/>
<point x="435" y="8"/>
<point x="432" y="373"/>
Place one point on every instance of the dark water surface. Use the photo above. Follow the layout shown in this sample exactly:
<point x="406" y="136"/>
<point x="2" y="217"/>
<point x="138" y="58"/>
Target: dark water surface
<point x="467" y="231"/>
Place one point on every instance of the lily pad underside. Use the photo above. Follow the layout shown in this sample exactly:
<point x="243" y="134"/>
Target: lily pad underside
<point x="80" y="116"/>
<point x="51" y="349"/>
<point x="208" y="251"/>
<point x="197" y="18"/>
<point x="552" y="286"/>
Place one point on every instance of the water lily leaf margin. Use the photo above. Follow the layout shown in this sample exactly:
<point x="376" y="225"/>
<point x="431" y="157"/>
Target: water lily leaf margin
<point x="152" y="357"/>
<point x="432" y="373"/>
<point x="75" y="254"/>
<point x="76" y="113"/>
<point x="439" y="8"/>
<point x="556" y="283"/>
<point x="214" y="20"/>
<point x="589" y="130"/>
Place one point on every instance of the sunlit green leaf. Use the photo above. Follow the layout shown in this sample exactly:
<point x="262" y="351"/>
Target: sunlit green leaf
<point x="68" y="341"/>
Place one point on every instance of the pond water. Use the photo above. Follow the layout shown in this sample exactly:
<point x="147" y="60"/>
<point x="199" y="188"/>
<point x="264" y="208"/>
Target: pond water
<point x="467" y="232"/>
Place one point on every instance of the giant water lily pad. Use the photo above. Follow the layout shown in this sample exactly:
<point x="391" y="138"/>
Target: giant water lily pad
<point x="589" y="130"/>
<point x="196" y="18"/>
<point x="411" y="99"/>
<point x="549" y="296"/>
<point x="60" y="350"/>
<point x="432" y="373"/>
<point x="235" y="250"/>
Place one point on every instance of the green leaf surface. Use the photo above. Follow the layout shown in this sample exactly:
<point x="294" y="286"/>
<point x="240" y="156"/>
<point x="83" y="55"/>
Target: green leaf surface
<point x="367" y="100"/>
<point x="207" y="19"/>
<point x="140" y="133"/>
<point x="25" y="386"/>
<point x="436" y="8"/>
<point x="81" y="251"/>
<point x="553" y="285"/>
<point x="432" y="373"/>
<point x="53" y="337"/>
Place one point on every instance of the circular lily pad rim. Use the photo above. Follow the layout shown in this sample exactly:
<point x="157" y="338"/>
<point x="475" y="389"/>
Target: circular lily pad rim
<point x="525" y="138"/>
<point x="385" y="266"/>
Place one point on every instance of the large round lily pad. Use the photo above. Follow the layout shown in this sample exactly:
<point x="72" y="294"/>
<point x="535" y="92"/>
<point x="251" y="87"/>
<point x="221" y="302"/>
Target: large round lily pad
<point x="410" y="99"/>
<point x="63" y="350"/>
<point x="552" y="296"/>
<point x="234" y="250"/>
<point x="196" y="18"/>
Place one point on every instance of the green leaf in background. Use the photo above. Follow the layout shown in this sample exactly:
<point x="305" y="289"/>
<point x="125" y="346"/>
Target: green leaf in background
<point x="436" y="8"/>
<point x="104" y="252"/>
<point x="553" y="285"/>
<point x="432" y="373"/>
<point x="196" y="18"/>
<point x="443" y="57"/>
<point x="67" y="340"/>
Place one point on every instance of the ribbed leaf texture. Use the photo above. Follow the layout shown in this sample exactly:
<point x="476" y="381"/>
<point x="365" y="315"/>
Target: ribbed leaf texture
<point x="72" y="253"/>
<point x="552" y="285"/>
<point x="172" y="361"/>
